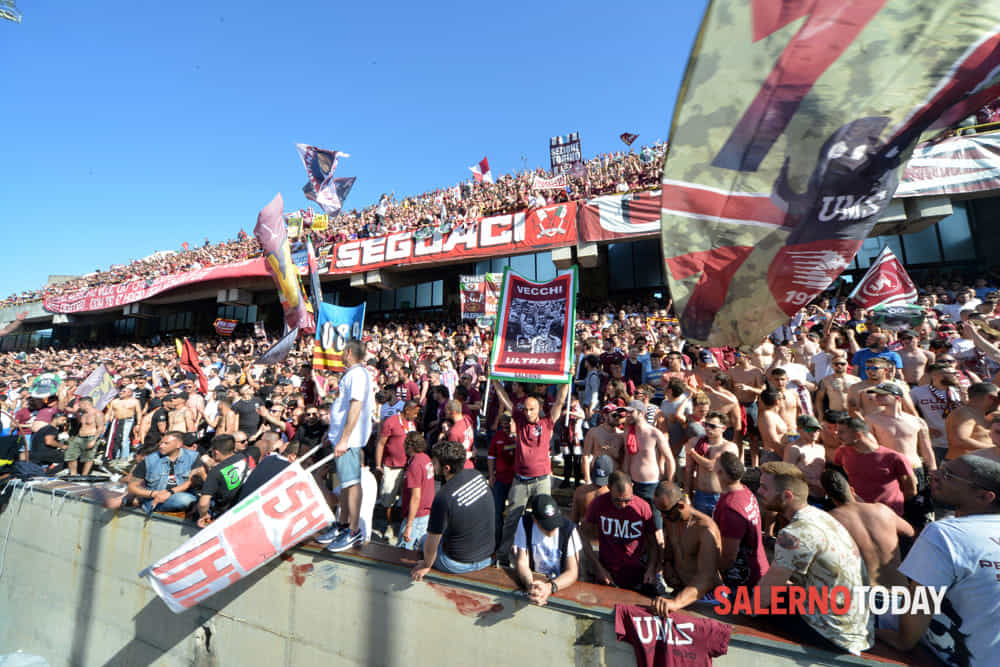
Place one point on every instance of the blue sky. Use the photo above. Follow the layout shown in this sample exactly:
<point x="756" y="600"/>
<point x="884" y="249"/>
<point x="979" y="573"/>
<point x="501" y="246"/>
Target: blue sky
<point x="131" y="127"/>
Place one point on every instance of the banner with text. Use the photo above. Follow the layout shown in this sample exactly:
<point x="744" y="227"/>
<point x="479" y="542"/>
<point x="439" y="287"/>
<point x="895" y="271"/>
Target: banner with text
<point x="283" y="512"/>
<point x="533" y="338"/>
<point x="555" y="183"/>
<point x="614" y="217"/>
<point x="564" y="152"/>
<point x="99" y="387"/>
<point x="225" y="327"/>
<point x="496" y="236"/>
<point x="479" y="295"/>
<point x="335" y="325"/>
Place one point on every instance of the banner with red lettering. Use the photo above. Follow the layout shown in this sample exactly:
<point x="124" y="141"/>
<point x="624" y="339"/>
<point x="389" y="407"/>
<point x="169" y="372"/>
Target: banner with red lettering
<point x="495" y="236"/>
<point x="285" y="511"/>
<point x="612" y="217"/>
<point x="955" y="166"/>
<point x="533" y="338"/>
<point x="116" y="296"/>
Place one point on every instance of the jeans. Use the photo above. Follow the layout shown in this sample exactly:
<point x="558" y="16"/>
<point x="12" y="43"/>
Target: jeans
<point x="521" y="493"/>
<point x="417" y="532"/>
<point x="500" y="491"/>
<point x="175" y="503"/>
<point x="646" y="491"/>
<point x="705" y="502"/>
<point x="445" y="564"/>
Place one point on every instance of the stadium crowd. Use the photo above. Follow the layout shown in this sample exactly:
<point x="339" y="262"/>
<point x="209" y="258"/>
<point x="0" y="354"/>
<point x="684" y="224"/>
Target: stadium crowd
<point x="841" y="451"/>
<point x="607" y="173"/>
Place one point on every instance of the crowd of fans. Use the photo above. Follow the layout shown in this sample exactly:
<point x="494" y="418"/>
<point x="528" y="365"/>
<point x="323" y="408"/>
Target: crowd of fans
<point x="452" y="207"/>
<point x="837" y="452"/>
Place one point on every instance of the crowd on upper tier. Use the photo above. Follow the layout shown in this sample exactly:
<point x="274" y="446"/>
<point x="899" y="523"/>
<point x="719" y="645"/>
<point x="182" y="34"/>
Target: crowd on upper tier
<point x="608" y="173"/>
<point x="841" y="451"/>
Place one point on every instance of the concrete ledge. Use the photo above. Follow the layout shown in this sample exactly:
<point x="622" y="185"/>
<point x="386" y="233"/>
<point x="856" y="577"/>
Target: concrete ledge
<point x="71" y="593"/>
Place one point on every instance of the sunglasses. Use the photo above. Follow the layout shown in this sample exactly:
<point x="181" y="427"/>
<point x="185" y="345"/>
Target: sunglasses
<point x="673" y="513"/>
<point x="949" y="475"/>
<point x="714" y="426"/>
<point x="844" y="363"/>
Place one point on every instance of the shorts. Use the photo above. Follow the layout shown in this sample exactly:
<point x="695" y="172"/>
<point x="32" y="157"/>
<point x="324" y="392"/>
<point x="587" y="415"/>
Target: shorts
<point x="705" y="501"/>
<point x="392" y="484"/>
<point x="417" y="532"/>
<point x="81" y="448"/>
<point x="750" y="409"/>
<point x="349" y="467"/>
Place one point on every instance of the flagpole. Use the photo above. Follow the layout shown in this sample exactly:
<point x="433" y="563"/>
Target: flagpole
<point x="486" y="398"/>
<point x="569" y="401"/>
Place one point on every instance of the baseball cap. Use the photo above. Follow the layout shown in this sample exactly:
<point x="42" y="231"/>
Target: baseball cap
<point x="887" y="388"/>
<point x="609" y="407"/>
<point x="705" y="356"/>
<point x="546" y="511"/>
<point x="808" y="421"/>
<point x="601" y="469"/>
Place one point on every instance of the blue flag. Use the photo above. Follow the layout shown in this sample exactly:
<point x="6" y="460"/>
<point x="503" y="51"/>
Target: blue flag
<point x="335" y="325"/>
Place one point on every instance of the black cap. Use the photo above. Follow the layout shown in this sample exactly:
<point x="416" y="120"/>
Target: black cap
<point x="889" y="388"/>
<point x="546" y="511"/>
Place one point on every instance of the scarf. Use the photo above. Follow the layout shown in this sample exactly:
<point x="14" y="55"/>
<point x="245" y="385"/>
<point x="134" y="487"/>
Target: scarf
<point x="631" y="441"/>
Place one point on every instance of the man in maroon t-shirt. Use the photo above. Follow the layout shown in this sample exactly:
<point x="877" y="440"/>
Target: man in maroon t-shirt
<point x="500" y="461"/>
<point x="418" y="492"/>
<point x="676" y="641"/>
<point x="877" y="474"/>
<point x="622" y="523"/>
<point x="460" y="430"/>
<point x="390" y="455"/>
<point x="743" y="560"/>
<point x="532" y="465"/>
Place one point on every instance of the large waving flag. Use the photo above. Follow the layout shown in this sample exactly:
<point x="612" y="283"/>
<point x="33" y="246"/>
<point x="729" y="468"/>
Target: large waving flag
<point x="192" y="364"/>
<point x="481" y="172"/>
<point x="273" y="238"/>
<point x="322" y="187"/>
<point x="99" y="386"/>
<point x="885" y="284"/>
<point x="280" y="350"/>
<point x="792" y="120"/>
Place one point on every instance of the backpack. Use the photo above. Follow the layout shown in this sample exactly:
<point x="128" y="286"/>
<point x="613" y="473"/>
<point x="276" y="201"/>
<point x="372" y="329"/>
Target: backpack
<point x="565" y="532"/>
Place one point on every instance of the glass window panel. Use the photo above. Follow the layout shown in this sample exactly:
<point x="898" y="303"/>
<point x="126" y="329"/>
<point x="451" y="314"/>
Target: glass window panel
<point x="524" y="265"/>
<point x="545" y="269"/>
<point x="620" y="266"/>
<point x="425" y="293"/>
<point x="498" y="264"/>
<point x="438" y="296"/>
<point x="251" y="313"/>
<point x="956" y="239"/>
<point x="922" y="247"/>
<point x="648" y="266"/>
<point x="483" y="267"/>
<point x="406" y="297"/>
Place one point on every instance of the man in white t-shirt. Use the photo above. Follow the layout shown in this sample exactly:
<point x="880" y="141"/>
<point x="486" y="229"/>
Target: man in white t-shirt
<point x="550" y="546"/>
<point x="961" y="555"/>
<point x="350" y="428"/>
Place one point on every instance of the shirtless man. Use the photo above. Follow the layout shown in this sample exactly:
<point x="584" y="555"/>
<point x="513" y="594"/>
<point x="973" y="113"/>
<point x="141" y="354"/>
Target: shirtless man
<point x="748" y="383"/>
<point x="702" y="453"/>
<point x="808" y="454"/>
<point x="179" y="418"/>
<point x="875" y="528"/>
<point x="600" y="472"/>
<point x="966" y="426"/>
<point x="604" y="439"/>
<point x="909" y="436"/>
<point x="835" y="387"/>
<point x="772" y="427"/>
<point x="226" y="421"/>
<point x="915" y="358"/>
<point x="124" y="413"/>
<point x="675" y="369"/>
<point x="723" y="400"/>
<point x="652" y="461"/>
<point x="937" y="400"/>
<point x="763" y="354"/>
<point x="860" y="403"/>
<point x="830" y="433"/>
<point x="692" y="550"/>
<point x="83" y="445"/>
<point x="788" y="398"/>
<point x="195" y="403"/>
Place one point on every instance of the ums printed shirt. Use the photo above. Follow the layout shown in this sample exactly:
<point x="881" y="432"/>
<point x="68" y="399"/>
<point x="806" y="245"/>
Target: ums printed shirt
<point x="677" y="641"/>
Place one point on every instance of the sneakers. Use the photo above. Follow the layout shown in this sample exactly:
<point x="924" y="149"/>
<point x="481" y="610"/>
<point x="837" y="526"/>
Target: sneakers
<point x="346" y="540"/>
<point x="330" y="534"/>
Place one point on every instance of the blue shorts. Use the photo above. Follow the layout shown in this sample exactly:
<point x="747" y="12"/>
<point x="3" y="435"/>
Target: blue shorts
<point x="705" y="502"/>
<point x="416" y="533"/>
<point x="349" y="467"/>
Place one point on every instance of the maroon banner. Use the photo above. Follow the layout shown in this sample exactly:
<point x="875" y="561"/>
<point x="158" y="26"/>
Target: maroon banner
<point x="621" y="216"/>
<point x="115" y="296"/>
<point x="495" y="236"/>
<point x="885" y="284"/>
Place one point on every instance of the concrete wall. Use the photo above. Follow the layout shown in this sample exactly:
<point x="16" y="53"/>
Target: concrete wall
<point x="70" y="592"/>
